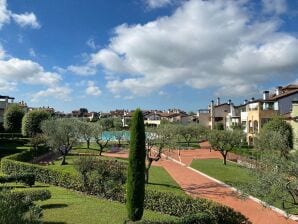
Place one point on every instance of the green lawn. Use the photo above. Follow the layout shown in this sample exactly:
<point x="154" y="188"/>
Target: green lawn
<point x="69" y="207"/>
<point x="232" y="174"/>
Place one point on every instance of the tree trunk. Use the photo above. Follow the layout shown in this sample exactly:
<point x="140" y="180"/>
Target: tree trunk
<point x="63" y="160"/>
<point x="100" y="149"/>
<point x="150" y="160"/>
<point x="224" y="159"/>
<point x="88" y="143"/>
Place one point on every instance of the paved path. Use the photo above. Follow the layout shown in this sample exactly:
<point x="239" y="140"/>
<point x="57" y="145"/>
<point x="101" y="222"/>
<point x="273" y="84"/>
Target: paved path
<point x="198" y="185"/>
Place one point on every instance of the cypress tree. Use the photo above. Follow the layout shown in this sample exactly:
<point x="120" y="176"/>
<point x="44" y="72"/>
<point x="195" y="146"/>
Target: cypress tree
<point x="136" y="168"/>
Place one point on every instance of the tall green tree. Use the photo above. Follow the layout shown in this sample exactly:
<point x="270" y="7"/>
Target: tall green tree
<point x="136" y="168"/>
<point x="13" y="118"/>
<point x="31" y="123"/>
<point x="225" y="141"/>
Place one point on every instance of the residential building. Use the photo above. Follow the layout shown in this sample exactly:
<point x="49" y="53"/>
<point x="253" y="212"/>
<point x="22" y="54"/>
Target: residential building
<point x="5" y="101"/>
<point x="294" y="122"/>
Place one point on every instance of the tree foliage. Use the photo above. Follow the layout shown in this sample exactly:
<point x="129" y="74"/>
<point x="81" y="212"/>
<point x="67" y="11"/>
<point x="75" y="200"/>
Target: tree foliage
<point x="61" y="134"/>
<point x="97" y="133"/>
<point x="136" y="168"/>
<point x="157" y="139"/>
<point x="31" y="123"/>
<point x="86" y="131"/>
<point x="277" y="135"/>
<point x="277" y="178"/>
<point x="225" y="141"/>
<point x="13" y="118"/>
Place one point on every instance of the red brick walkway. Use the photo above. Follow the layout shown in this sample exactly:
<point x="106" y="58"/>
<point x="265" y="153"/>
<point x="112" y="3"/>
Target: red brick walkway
<point x="198" y="185"/>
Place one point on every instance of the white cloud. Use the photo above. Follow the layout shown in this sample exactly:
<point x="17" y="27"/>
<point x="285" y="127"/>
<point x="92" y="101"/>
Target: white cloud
<point x="26" y="71"/>
<point x="92" y="89"/>
<point x="157" y="3"/>
<point x="4" y="13"/>
<point x="23" y="20"/>
<point x="32" y="52"/>
<point x="274" y="6"/>
<point x="26" y="19"/>
<point x="82" y="70"/>
<point x="91" y="43"/>
<point x="7" y="86"/>
<point x="203" y="44"/>
<point x="57" y="92"/>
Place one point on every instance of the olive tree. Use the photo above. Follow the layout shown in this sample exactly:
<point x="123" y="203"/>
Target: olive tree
<point x="86" y="131"/>
<point x="98" y="134"/>
<point x="61" y="135"/>
<point x="190" y="132"/>
<point x="276" y="135"/>
<point x="12" y="120"/>
<point x="157" y="139"/>
<point x="277" y="178"/>
<point x="225" y="141"/>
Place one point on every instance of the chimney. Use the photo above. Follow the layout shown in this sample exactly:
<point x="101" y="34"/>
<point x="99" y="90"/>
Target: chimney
<point x="252" y="99"/>
<point x="278" y="90"/>
<point x="266" y="95"/>
<point x="230" y="101"/>
<point x="218" y="101"/>
<point x="245" y="101"/>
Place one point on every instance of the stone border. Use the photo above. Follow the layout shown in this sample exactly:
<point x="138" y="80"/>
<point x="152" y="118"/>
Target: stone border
<point x="281" y="212"/>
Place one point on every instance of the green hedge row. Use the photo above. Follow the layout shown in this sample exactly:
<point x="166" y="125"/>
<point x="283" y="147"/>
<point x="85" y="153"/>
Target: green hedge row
<point x="33" y="195"/>
<point x="13" y="165"/>
<point x="25" y="178"/>
<point x="164" y="202"/>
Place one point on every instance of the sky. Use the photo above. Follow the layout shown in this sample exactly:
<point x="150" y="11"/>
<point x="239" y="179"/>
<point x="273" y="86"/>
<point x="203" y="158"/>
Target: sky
<point x="152" y="54"/>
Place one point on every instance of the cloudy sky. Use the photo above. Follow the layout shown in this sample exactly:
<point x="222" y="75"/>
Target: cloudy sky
<point x="153" y="54"/>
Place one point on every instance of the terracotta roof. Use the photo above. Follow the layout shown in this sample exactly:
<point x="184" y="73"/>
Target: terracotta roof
<point x="284" y="94"/>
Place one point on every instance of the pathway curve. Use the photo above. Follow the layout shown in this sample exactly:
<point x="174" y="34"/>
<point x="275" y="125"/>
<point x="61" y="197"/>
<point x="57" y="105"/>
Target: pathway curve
<point x="197" y="185"/>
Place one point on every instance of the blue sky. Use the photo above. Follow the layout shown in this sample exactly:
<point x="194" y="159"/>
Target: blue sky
<point x="153" y="54"/>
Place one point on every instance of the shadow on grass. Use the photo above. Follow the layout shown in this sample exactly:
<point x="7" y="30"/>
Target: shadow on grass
<point x="165" y="185"/>
<point x="51" y="206"/>
<point x="54" y="222"/>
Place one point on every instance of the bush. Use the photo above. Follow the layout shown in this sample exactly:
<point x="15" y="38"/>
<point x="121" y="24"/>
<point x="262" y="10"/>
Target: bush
<point x="12" y="120"/>
<point x="16" y="208"/>
<point x="180" y="206"/>
<point x="33" y="195"/>
<point x="104" y="178"/>
<point x="26" y="178"/>
<point x="32" y="120"/>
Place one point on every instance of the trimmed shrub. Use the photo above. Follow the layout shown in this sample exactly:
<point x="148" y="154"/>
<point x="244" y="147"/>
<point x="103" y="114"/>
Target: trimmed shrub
<point x="33" y="195"/>
<point x="16" y="208"/>
<point x="32" y="120"/>
<point x="104" y="178"/>
<point x="136" y="168"/>
<point x="12" y="120"/>
<point x="26" y="178"/>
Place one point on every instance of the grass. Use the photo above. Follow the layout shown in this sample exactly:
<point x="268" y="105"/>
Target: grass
<point x="232" y="174"/>
<point x="69" y="207"/>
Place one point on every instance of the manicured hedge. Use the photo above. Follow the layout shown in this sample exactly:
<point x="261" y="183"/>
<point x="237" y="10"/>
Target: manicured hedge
<point x="33" y="195"/>
<point x="26" y="178"/>
<point x="165" y="202"/>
